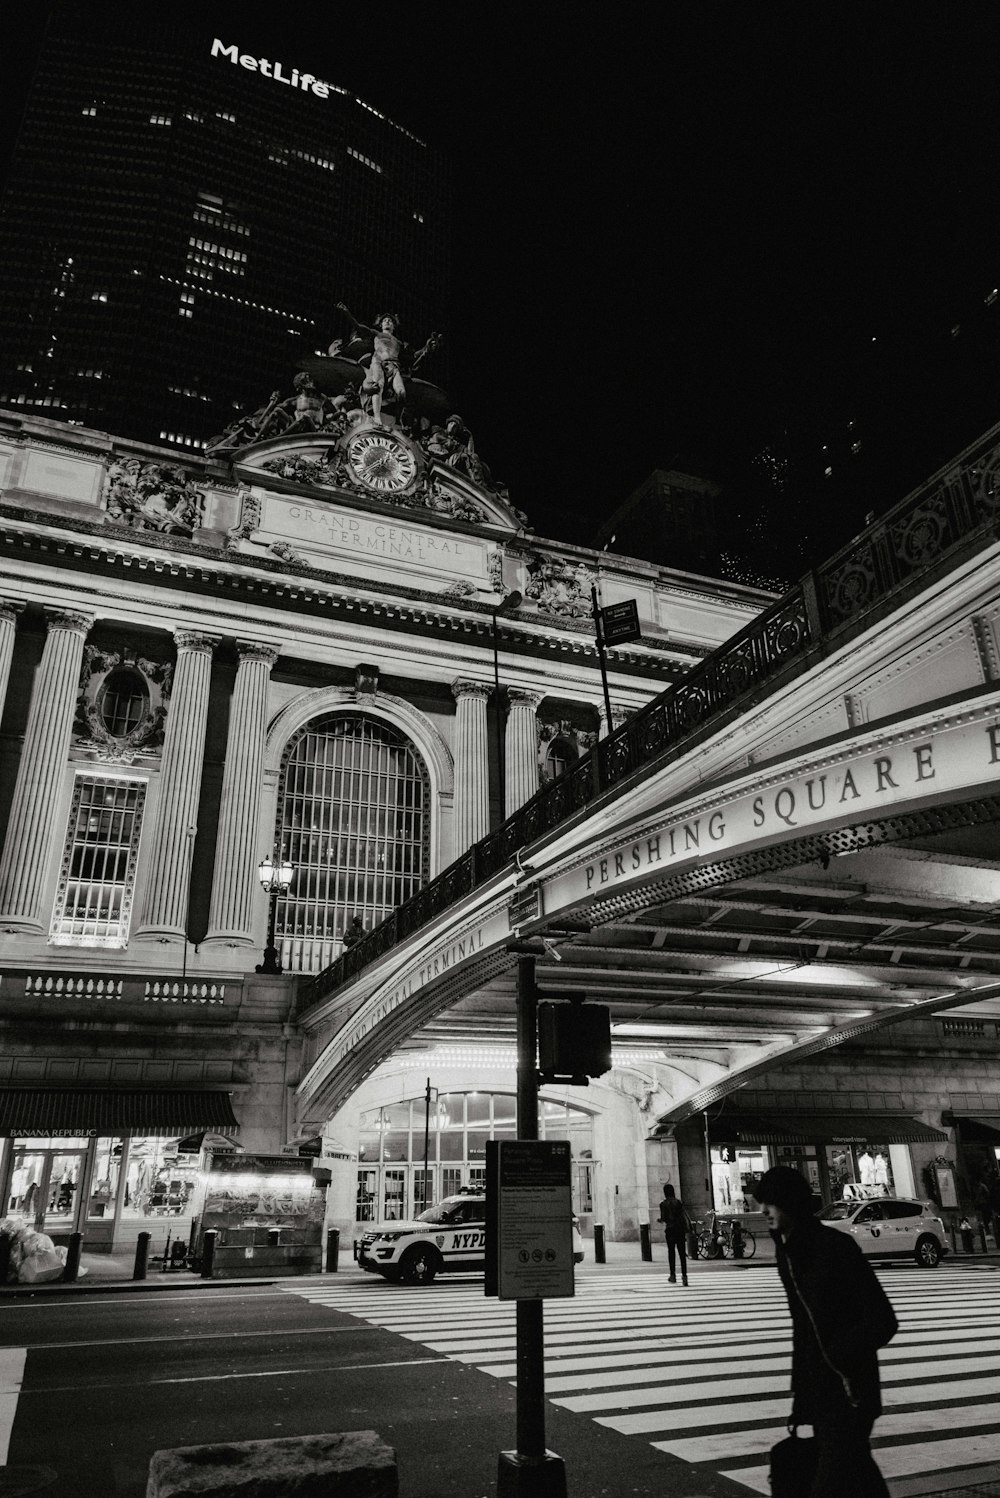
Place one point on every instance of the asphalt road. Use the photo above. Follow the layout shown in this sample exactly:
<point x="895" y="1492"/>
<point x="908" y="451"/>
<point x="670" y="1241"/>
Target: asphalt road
<point x="109" y="1379"/>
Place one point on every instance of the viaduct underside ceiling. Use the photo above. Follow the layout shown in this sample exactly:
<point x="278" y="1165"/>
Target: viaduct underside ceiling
<point x="774" y="961"/>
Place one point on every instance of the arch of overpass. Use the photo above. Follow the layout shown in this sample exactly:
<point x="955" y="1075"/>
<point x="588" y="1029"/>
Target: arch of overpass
<point x="937" y="769"/>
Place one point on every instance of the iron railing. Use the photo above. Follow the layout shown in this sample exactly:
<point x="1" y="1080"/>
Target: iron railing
<point x="956" y="509"/>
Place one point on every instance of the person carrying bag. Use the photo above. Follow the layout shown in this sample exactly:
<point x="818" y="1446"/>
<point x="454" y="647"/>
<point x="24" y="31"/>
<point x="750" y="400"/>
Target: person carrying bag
<point x="841" y="1316"/>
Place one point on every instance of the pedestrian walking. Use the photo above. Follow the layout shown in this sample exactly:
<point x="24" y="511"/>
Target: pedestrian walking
<point x="841" y="1316"/>
<point x="675" y="1225"/>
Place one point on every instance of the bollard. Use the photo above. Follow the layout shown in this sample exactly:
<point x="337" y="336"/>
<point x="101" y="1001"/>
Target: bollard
<point x="166" y="1253"/>
<point x="982" y="1236"/>
<point x="5" y="1245"/>
<point x="645" y="1247"/>
<point x="737" y="1239"/>
<point x="332" y="1250"/>
<point x="599" y="1257"/>
<point x="954" y="1238"/>
<point x="208" y="1241"/>
<point x="273" y="1237"/>
<point x="73" y="1257"/>
<point x="141" y="1256"/>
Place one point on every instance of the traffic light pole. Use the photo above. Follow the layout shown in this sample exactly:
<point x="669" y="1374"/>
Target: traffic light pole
<point x="530" y="1471"/>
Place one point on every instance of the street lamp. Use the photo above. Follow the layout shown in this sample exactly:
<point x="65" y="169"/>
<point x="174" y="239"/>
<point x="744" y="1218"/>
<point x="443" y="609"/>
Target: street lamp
<point x="507" y="605"/>
<point x="275" y="875"/>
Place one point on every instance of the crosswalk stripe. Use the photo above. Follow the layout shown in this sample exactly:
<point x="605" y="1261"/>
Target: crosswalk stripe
<point x="706" y="1369"/>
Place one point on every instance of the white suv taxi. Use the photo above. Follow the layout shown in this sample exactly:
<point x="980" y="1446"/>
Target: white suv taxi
<point x="449" y="1235"/>
<point x="891" y="1227"/>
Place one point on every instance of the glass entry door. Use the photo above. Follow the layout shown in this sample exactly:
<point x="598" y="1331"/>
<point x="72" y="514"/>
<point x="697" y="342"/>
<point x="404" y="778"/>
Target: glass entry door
<point x="44" y="1184"/>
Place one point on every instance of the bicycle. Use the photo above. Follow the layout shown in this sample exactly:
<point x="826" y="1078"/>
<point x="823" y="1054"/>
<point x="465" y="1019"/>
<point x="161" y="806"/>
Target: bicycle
<point x="724" y="1238"/>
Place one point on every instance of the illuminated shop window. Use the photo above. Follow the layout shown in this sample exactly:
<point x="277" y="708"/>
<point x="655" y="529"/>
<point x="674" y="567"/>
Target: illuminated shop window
<point x="96" y="880"/>
<point x="353" y="817"/>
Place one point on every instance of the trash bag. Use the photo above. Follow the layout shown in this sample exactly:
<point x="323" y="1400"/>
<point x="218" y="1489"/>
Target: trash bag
<point x="44" y="1264"/>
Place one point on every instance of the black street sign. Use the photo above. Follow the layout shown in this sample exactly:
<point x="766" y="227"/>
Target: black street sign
<point x="620" y="622"/>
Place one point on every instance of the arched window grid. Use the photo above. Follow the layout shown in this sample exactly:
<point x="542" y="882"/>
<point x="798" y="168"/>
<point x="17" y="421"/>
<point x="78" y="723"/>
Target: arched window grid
<point x="353" y="817"/>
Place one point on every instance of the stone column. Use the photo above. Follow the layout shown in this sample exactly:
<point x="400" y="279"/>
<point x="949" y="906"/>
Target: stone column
<point x="8" y="628"/>
<point x="234" y="881"/>
<point x="170" y="840"/>
<point x="472" y="773"/>
<point x="520" y="750"/>
<point x="41" y="771"/>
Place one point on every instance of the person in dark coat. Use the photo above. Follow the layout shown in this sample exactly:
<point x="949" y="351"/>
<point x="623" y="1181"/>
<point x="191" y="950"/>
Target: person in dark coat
<point x="675" y="1222"/>
<point x="841" y="1316"/>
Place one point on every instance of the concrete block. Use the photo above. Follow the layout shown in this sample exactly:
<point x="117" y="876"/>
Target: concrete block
<point x="346" y="1464"/>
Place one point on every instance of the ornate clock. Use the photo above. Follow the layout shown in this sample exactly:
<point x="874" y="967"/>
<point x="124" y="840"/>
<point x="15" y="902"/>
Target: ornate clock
<point x="380" y="462"/>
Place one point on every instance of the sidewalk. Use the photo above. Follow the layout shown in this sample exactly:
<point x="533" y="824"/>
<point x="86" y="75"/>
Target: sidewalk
<point x="114" y="1271"/>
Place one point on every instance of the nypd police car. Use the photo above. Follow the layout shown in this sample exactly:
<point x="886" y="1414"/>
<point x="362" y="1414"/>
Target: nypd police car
<point x="449" y="1235"/>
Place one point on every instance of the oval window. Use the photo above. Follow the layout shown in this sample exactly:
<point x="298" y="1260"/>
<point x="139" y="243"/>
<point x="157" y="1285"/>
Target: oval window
<point x="123" y="702"/>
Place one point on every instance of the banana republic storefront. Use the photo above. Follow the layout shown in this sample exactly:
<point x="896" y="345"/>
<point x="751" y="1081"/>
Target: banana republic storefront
<point x="108" y="1163"/>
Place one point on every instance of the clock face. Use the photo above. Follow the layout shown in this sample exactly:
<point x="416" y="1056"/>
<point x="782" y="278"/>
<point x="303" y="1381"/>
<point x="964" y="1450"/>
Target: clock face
<point x="381" y="463"/>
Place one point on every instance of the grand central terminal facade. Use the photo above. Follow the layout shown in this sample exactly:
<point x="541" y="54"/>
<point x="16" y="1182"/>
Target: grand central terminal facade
<point x="330" y="645"/>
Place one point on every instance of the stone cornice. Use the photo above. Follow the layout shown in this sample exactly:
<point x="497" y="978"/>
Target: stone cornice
<point x="100" y="549"/>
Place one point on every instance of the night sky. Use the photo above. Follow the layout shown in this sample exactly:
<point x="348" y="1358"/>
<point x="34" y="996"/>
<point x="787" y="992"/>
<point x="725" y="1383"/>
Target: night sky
<point x="694" y="234"/>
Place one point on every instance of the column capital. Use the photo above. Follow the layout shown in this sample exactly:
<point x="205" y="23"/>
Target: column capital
<point x="195" y="640"/>
<point x="10" y="611"/>
<point x="481" y="689"/>
<point x="72" y="620"/>
<point x="256" y="650"/>
<point x="523" y="697"/>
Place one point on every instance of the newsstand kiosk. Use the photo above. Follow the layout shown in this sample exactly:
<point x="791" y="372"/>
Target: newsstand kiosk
<point x="268" y="1213"/>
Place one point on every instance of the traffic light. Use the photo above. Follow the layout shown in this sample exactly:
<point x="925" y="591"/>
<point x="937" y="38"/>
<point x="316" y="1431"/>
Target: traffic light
<point x="574" y="1040"/>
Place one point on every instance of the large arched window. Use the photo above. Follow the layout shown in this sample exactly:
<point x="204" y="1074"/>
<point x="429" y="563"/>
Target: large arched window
<point x="353" y="817"/>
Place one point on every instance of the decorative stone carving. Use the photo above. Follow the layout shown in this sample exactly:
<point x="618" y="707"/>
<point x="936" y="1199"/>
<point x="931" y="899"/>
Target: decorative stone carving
<point x="460" y="589"/>
<point x="194" y="640"/>
<point x="101" y="671"/>
<point x="250" y="507"/>
<point x="286" y="553"/>
<point x="70" y="619"/>
<point x="153" y="496"/>
<point x="480" y="689"/>
<point x="559" y="587"/>
<point x="365" y="681"/>
<point x="302" y="470"/>
<point x="494" y="565"/>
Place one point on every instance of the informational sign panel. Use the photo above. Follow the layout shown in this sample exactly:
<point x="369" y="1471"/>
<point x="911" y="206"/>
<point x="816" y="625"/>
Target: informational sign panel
<point x="534" y="1219"/>
<point x="620" y="622"/>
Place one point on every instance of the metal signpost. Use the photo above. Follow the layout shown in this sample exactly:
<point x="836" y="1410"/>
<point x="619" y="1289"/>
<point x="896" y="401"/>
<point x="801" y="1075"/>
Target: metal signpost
<point x="534" y="1185"/>
<point x="614" y="625"/>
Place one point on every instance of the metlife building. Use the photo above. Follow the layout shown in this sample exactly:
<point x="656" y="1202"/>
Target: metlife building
<point x="182" y="216"/>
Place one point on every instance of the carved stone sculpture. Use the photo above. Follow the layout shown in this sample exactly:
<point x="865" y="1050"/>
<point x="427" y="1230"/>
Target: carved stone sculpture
<point x="153" y="496"/>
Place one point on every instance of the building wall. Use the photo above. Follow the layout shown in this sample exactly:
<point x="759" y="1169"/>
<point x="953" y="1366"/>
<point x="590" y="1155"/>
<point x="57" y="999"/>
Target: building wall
<point x="363" y="632"/>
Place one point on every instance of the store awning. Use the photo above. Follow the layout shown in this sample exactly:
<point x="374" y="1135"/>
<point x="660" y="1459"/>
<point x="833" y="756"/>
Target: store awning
<point x="979" y="1128"/>
<point x="819" y="1128"/>
<point x="38" y="1112"/>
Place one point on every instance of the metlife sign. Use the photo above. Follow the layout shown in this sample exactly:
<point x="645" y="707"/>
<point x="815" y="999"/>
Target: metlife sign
<point x="274" y="70"/>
